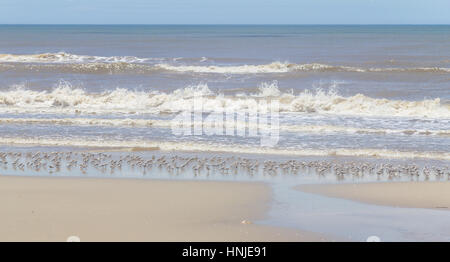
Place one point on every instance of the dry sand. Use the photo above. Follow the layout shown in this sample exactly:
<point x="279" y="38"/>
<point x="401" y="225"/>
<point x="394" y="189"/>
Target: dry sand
<point x="52" y="209"/>
<point x="401" y="194"/>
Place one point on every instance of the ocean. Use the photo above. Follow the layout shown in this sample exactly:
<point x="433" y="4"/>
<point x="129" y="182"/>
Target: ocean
<point x="283" y="105"/>
<point x="351" y="91"/>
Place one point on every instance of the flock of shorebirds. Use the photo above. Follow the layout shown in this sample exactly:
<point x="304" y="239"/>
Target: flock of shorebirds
<point x="53" y="162"/>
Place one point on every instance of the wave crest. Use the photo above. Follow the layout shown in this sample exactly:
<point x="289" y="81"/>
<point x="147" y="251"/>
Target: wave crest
<point x="67" y="62"/>
<point x="67" y="99"/>
<point x="284" y="67"/>
<point x="62" y="57"/>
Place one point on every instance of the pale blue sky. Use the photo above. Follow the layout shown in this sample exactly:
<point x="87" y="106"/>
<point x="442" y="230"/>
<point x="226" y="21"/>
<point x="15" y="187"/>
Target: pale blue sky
<point x="225" y="11"/>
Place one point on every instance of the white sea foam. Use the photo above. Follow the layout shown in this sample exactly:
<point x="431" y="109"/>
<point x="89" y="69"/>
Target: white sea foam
<point x="280" y="67"/>
<point x="63" y="57"/>
<point x="141" y="123"/>
<point x="67" y="99"/>
<point x="83" y="68"/>
<point x="274" y="67"/>
<point x="215" y="147"/>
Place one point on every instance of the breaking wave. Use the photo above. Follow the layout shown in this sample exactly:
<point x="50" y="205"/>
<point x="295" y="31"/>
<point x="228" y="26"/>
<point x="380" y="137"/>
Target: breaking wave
<point x="63" y="57"/>
<point x="67" y="99"/>
<point x="99" y="64"/>
<point x="279" y="67"/>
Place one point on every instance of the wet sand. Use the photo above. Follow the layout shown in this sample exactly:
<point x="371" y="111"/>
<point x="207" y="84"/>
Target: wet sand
<point x="434" y="195"/>
<point x="52" y="209"/>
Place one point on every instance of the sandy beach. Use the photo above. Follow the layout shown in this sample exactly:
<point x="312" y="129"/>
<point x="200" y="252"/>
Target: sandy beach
<point x="434" y="195"/>
<point x="52" y="209"/>
<point x="261" y="131"/>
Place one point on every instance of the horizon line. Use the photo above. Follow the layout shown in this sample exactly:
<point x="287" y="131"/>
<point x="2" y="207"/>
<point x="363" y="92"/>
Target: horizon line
<point x="369" y="24"/>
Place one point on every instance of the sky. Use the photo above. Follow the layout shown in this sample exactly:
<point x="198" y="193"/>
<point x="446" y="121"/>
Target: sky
<point x="225" y="12"/>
